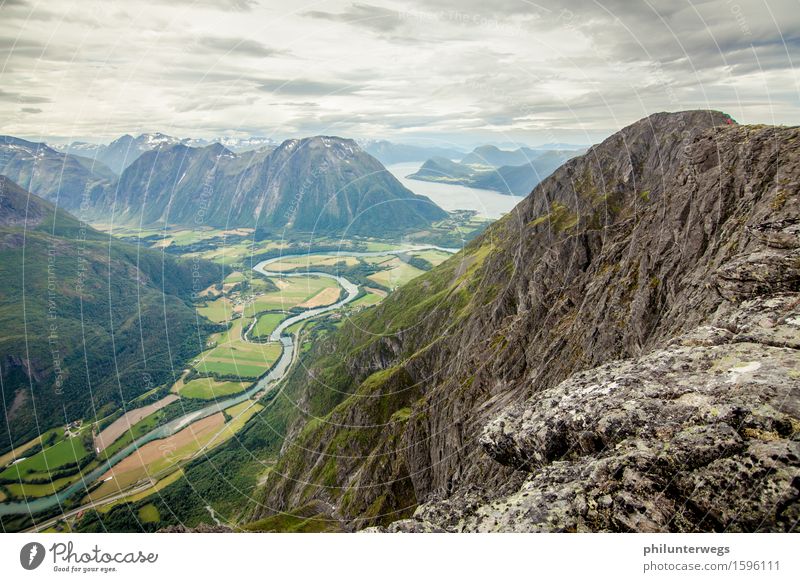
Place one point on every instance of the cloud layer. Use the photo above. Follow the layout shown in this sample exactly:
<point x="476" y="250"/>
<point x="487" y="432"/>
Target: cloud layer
<point x="441" y="71"/>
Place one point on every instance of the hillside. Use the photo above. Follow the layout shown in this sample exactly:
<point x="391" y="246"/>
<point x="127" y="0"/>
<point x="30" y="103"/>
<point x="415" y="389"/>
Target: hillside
<point x="84" y="317"/>
<point x="64" y="179"/>
<point x="619" y="353"/>
<point x="320" y="184"/>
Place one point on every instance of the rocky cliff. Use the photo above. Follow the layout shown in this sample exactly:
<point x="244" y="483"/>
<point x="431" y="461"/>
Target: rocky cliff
<point x="618" y="353"/>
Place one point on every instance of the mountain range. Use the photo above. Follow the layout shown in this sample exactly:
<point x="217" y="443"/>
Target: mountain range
<point x="123" y="151"/>
<point x="320" y="184"/>
<point x="85" y="316"/>
<point x="618" y="353"/>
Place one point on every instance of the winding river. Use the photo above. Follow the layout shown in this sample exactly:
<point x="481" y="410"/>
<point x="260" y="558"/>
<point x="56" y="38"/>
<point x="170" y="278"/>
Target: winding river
<point x="272" y="377"/>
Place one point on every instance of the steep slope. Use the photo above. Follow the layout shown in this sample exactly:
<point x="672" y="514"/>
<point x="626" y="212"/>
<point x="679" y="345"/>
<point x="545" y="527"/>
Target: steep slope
<point x="88" y="322"/>
<point x="319" y="184"/>
<point x="64" y="179"/>
<point x="444" y="170"/>
<point x="488" y="394"/>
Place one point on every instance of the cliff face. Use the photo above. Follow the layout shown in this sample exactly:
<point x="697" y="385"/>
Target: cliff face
<point x="619" y="353"/>
<point x="318" y="184"/>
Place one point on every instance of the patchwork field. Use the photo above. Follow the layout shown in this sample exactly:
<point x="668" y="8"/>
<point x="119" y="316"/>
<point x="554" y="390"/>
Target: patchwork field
<point x="157" y="456"/>
<point x="292" y="292"/>
<point x="234" y="357"/>
<point x="117" y="428"/>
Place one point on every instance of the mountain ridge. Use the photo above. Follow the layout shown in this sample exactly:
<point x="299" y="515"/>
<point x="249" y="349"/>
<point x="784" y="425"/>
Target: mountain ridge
<point x="445" y="414"/>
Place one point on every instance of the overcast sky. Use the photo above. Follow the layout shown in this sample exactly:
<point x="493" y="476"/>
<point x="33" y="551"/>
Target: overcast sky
<point x="460" y="71"/>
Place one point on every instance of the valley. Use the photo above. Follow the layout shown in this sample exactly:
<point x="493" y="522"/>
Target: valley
<point x="266" y="309"/>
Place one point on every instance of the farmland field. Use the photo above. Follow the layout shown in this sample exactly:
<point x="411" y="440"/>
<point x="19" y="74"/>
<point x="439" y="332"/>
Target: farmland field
<point x="398" y="273"/>
<point x="117" y="428"/>
<point x="292" y="292"/>
<point x="62" y="453"/>
<point x="266" y="324"/>
<point x="209" y="388"/>
<point x="235" y="357"/>
<point x="157" y="456"/>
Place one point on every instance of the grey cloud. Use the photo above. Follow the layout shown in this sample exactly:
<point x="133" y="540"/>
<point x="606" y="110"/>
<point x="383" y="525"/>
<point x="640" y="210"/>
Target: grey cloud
<point x="20" y="98"/>
<point x="31" y="110"/>
<point x="238" y="46"/>
<point x="364" y="15"/>
<point x="306" y="87"/>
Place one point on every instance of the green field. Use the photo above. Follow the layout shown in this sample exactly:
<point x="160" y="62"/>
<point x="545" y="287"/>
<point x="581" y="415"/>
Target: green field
<point x="209" y="388"/>
<point x="234" y="357"/>
<point x="292" y="292"/>
<point x="30" y="490"/>
<point x="398" y="273"/>
<point x="219" y="311"/>
<point x="149" y="514"/>
<point x="266" y="324"/>
<point x="366" y="300"/>
<point x="62" y="453"/>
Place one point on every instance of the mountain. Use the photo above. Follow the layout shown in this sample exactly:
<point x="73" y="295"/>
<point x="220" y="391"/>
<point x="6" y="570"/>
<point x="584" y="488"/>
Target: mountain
<point x="84" y="316"/>
<point x="443" y="170"/>
<point x="515" y="180"/>
<point x="122" y="152"/>
<point x="618" y="353"/>
<point x="64" y="179"/>
<point x="395" y="153"/>
<point x="320" y="184"/>
<point x="489" y="155"/>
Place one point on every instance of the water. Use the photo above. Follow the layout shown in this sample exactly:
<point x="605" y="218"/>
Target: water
<point x="275" y="374"/>
<point x="486" y="203"/>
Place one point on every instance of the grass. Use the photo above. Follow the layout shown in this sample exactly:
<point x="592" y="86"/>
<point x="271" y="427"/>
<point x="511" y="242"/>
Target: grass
<point x="149" y="514"/>
<point x="366" y="300"/>
<point x="398" y="273"/>
<point x="69" y="451"/>
<point x="209" y="388"/>
<point x="219" y="311"/>
<point x="234" y="358"/>
<point x="19" y="451"/>
<point x="30" y="491"/>
<point x="308" y="262"/>
<point x="266" y="324"/>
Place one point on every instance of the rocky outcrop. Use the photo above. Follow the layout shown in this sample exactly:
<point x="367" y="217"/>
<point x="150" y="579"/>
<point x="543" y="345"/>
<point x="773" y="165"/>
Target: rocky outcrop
<point x="619" y="353"/>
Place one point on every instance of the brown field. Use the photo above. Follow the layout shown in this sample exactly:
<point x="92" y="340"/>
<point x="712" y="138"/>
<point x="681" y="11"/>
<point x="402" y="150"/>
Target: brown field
<point x="375" y="291"/>
<point x="117" y="428"/>
<point x="325" y="297"/>
<point x="156" y="456"/>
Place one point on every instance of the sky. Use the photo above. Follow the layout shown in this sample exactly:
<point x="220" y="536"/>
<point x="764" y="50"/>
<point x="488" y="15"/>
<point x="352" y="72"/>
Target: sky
<point x="438" y="72"/>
